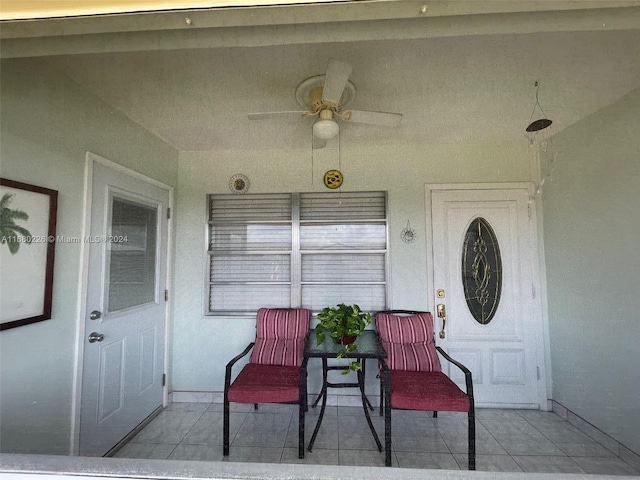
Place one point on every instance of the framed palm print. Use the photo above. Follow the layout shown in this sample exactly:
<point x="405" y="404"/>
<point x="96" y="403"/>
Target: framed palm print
<point x="27" y="250"/>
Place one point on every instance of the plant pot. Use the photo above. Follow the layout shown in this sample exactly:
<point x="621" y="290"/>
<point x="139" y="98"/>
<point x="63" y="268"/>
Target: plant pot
<point x="347" y="340"/>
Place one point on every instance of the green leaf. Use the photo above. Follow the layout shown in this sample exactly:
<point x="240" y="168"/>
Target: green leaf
<point x="13" y="246"/>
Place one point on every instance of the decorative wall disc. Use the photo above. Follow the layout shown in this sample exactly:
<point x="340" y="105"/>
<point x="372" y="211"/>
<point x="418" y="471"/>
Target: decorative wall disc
<point x="408" y="234"/>
<point x="239" y="183"/>
<point x="333" y="179"/>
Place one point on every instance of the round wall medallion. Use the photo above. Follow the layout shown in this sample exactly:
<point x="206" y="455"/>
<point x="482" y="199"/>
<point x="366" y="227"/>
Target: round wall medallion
<point x="408" y="235"/>
<point x="239" y="183"/>
<point x="333" y="179"/>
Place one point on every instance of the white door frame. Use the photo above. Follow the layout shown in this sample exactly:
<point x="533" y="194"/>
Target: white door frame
<point x="541" y="336"/>
<point x="83" y="277"/>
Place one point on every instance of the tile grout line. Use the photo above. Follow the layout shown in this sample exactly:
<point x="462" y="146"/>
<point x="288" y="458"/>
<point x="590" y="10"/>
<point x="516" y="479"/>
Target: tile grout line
<point x="537" y="425"/>
<point x="232" y="438"/>
<point x="573" y="458"/>
<point x="554" y="443"/>
<point x="497" y="441"/>
<point x="189" y="430"/>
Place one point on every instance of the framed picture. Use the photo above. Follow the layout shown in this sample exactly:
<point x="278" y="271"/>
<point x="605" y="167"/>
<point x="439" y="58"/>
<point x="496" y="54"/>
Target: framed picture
<point x="27" y="249"/>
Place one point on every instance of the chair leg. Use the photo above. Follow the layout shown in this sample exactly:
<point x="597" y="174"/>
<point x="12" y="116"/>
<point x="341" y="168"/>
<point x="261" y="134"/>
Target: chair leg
<point x="435" y="414"/>
<point x="255" y="406"/>
<point x="301" y="410"/>
<point x="387" y="426"/>
<point x="381" y="397"/>
<point x="303" y="406"/>
<point x="225" y="428"/>
<point x="472" y="438"/>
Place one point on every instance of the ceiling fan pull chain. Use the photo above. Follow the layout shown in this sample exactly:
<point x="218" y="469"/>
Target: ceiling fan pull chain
<point x="311" y="144"/>
<point x="340" y="166"/>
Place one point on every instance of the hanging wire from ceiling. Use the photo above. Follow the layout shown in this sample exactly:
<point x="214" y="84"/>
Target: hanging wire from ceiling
<point x="541" y="123"/>
<point x="340" y="166"/>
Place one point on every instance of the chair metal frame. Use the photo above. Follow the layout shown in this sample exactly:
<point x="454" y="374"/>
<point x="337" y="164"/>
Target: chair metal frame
<point x="386" y="393"/>
<point x="302" y="401"/>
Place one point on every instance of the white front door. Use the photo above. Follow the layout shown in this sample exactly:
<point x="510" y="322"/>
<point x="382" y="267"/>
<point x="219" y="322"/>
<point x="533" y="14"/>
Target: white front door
<point x="122" y="379"/>
<point x="485" y="276"/>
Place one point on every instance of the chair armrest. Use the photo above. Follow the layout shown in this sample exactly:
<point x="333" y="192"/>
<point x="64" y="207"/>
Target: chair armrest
<point x="465" y="370"/>
<point x="232" y="362"/>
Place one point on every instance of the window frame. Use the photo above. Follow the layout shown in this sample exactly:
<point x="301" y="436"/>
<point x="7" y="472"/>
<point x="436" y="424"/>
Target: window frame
<point x="296" y="253"/>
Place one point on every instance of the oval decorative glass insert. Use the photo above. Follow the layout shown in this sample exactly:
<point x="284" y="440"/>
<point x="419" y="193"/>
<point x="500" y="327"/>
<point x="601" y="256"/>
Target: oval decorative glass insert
<point x="481" y="270"/>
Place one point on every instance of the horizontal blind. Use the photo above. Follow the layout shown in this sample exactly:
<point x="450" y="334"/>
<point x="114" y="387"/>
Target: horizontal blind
<point x="249" y="236"/>
<point x="233" y="208"/>
<point x="249" y="252"/>
<point x="343" y="244"/>
<point x="343" y="268"/>
<point x="343" y="236"/>
<point x="343" y="206"/>
<point x="250" y="268"/>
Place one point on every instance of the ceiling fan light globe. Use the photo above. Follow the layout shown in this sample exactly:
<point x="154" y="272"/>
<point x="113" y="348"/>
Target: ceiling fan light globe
<point x="325" y="129"/>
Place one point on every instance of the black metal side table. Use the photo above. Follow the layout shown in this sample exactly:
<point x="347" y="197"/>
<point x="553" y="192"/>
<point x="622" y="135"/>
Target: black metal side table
<point x="368" y="346"/>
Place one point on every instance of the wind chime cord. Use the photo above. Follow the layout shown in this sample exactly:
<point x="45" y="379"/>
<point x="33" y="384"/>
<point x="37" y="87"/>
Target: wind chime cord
<point x="544" y="115"/>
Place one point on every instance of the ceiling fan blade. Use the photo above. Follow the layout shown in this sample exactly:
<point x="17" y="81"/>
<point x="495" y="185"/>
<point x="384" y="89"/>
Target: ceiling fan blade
<point x="385" y="119"/>
<point x="270" y="115"/>
<point x="334" y="82"/>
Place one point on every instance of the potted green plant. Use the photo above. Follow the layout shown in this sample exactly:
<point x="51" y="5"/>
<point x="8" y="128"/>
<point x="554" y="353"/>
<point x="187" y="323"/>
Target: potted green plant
<point x="343" y="324"/>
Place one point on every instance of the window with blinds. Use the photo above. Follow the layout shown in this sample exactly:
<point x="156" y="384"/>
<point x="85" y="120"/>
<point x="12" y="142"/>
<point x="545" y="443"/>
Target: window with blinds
<point x="308" y="250"/>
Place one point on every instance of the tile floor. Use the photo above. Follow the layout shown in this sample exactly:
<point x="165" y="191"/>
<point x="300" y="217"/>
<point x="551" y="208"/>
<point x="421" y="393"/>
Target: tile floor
<point x="506" y="440"/>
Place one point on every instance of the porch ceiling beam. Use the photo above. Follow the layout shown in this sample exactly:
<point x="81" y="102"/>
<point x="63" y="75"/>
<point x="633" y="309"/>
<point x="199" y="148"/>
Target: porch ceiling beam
<point x="305" y="24"/>
<point x="69" y="17"/>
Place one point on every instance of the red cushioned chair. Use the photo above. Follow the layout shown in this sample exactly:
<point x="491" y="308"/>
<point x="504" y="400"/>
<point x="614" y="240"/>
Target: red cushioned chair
<point x="417" y="382"/>
<point x="273" y="372"/>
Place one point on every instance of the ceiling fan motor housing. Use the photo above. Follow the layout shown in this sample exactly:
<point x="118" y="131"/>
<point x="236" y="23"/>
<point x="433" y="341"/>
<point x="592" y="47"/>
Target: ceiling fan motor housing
<point x="316" y="103"/>
<point x="325" y="97"/>
<point x="315" y="98"/>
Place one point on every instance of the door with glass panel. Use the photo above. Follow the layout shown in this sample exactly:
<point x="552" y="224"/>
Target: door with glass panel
<point x="123" y="360"/>
<point x="485" y="293"/>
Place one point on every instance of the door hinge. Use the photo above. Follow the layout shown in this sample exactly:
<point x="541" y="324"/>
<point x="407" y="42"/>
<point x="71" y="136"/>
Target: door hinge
<point x="166" y="295"/>
<point x="164" y="379"/>
<point x="538" y="372"/>
<point x="168" y="213"/>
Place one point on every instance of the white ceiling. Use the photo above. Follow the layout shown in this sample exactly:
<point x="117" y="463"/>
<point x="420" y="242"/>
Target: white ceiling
<point x="459" y="88"/>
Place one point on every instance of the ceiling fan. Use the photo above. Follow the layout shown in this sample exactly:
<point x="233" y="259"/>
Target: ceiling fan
<point x="328" y="97"/>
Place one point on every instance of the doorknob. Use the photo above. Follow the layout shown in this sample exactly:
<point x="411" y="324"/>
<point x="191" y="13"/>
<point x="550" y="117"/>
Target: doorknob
<point x="95" y="337"/>
<point x="442" y="313"/>
<point x="95" y="315"/>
